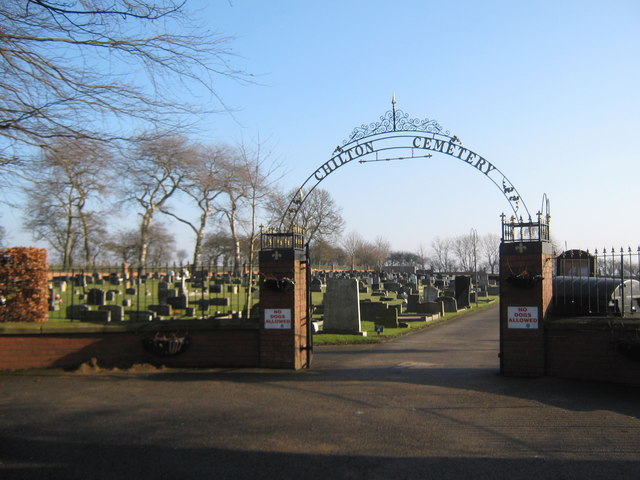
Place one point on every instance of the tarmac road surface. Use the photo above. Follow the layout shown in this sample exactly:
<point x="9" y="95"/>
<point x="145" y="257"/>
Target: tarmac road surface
<point x="428" y="405"/>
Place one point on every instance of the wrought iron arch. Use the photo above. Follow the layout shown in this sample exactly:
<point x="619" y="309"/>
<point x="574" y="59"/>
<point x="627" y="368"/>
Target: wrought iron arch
<point x="394" y="131"/>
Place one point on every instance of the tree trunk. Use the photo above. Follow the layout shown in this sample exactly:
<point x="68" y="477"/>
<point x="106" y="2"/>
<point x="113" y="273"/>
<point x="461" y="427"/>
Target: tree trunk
<point x="145" y="227"/>
<point x="199" y="239"/>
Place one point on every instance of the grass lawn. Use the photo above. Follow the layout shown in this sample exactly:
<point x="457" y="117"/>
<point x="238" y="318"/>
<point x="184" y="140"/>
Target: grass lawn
<point x="389" y="333"/>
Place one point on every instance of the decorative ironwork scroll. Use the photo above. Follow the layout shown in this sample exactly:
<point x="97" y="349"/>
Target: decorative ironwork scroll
<point x="397" y="131"/>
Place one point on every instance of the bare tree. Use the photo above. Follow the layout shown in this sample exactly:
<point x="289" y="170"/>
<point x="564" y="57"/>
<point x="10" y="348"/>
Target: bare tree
<point x="153" y="172"/>
<point x="442" y="254"/>
<point x="234" y="190"/>
<point x="319" y="216"/>
<point x="247" y="181"/>
<point x="381" y="249"/>
<point x="403" y="258"/>
<point x="260" y="176"/>
<point x="465" y="249"/>
<point x="202" y="185"/>
<point x="352" y="245"/>
<point x="77" y="68"/>
<point x="490" y="248"/>
<point x="422" y="257"/>
<point x="217" y="245"/>
<point x="126" y="245"/>
<point x="68" y="176"/>
<point x="326" y="253"/>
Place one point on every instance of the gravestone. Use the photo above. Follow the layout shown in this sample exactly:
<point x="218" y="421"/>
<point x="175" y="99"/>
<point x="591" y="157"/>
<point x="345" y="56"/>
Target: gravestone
<point x="391" y="286"/>
<point x="412" y="303"/>
<point x="430" y="293"/>
<point x="431" y="308"/>
<point x="379" y="313"/>
<point x="178" y="302"/>
<point x="316" y="284"/>
<point x="100" y="316"/>
<point x="463" y="291"/>
<point x="163" y="310"/>
<point x="215" y="288"/>
<point x="219" y="301"/>
<point x="449" y="303"/>
<point x="165" y="294"/>
<point x="342" y="307"/>
<point x="54" y="301"/>
<point x="141" y="315"/>
<point x="74" y="312"/>
<point x="95" y="296"/>
<point x="116" y="311"/>
<point x="111" y="295"/>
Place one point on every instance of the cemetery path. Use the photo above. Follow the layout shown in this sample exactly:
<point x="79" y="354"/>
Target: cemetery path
<point x="428" y="405"/>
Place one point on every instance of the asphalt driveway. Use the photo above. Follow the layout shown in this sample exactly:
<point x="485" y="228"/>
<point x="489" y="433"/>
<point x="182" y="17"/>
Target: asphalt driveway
<point x="428" y="405"/>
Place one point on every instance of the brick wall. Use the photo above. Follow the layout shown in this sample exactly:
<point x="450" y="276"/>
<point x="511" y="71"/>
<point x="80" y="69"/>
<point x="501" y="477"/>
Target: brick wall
<point x="285" y="348"/>
<point x="522" y="351"/>
<point x="593" y="349"/>
<point x="207" y="348"/>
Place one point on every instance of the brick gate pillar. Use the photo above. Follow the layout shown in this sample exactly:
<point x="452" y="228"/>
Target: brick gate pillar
<point x="285" y="335"/>
<point x="526" y="269"/>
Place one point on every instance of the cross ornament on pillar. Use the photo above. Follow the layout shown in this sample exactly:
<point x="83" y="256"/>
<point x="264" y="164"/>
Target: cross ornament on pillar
<point x="276" y="255"/>
<point x="521" y="248"/>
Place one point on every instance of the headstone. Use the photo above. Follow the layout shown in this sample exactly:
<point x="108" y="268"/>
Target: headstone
<point x="215" y="289"/>
<point x="412" y="303"/>
<point x="117" y="312"/>
<point x="163" y="310"/>
<point x="111" y="295"/>
<point x="342" y="307"/>
<point x="54" y="301"/>
<point x="95" y="296"/>
<point x="141" y="315"/>
<point x="463" y="291"/>
<point x="316" y="285"/>
<point x="379" y="313"/>
<point x="165" y="294"/>
<point x="178" y="302"/>
<point x="232" y="289"/>
<point x="431" y="308"/>
<point x="430" y="293"/>
<point x="74" y="312"/>
<point x="101" y="316"/>
<point x="220" y="301"/>
<point x="449" y="303"/>
<point x="483" y="279"/>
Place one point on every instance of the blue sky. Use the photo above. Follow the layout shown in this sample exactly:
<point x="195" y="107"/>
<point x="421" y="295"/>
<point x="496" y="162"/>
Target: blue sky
<point x="545" y="90"/>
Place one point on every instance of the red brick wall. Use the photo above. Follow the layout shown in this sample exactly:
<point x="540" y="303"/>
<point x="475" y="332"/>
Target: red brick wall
<point x="214" y="348"/>
<point x="522" y="352"/>
<point x="589" y="349"/>
<point x="285" y="348"/>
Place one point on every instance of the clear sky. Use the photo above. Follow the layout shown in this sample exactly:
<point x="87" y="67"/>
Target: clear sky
<point x="545" y="90"/>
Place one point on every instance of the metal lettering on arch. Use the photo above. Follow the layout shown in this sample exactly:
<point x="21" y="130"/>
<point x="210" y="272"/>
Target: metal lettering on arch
<point x="396" y="136"/>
